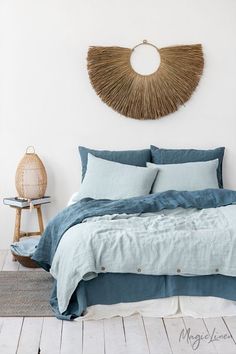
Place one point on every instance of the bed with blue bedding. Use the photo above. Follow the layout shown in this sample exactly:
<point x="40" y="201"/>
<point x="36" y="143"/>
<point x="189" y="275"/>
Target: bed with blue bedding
<point x="149" y="247"/>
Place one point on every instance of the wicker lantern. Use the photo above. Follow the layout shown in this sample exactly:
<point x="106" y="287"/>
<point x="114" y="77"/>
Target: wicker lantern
<point x="31" y="176"/>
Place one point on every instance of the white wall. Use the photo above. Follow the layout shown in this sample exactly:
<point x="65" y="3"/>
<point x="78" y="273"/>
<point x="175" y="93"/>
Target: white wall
<point x="46" y="99"/>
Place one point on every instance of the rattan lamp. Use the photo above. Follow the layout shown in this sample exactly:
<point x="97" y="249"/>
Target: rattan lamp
<point x="31" y="176"/>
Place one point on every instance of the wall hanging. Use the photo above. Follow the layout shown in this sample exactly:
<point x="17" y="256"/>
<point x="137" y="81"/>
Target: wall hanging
<point x="31" y="176"/>
<point x="145" y="96"/>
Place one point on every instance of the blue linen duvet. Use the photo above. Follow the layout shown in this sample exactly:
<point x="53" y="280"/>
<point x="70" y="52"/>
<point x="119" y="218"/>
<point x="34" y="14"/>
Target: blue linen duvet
<point x="88" y="208"/>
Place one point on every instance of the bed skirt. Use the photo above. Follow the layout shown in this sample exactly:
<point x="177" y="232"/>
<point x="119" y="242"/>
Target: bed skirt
<point x="175" y="291"/>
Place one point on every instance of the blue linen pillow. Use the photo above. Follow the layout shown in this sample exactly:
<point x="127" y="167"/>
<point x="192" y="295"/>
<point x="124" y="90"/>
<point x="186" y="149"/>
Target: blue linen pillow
<point x="174" y="156"/>
<point x="127" y="157"/>
<point x="113" y="180"/>
<point x="187" y="176"/>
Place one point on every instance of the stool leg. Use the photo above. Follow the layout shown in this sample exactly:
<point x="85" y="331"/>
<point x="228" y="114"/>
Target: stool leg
<point x="17" y="228"/>
<point x="17" y="225"/>
<point x="40" y="220"/>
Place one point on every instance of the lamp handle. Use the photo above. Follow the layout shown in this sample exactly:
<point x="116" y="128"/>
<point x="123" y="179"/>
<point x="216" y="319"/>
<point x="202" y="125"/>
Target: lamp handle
<point x="30" y="147"/>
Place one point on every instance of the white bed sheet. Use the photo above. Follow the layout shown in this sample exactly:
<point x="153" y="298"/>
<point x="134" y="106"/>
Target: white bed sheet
<point x="175" y="306"/>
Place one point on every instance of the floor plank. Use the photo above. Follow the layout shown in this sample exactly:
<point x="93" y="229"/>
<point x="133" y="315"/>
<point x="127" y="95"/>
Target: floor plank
<point x="10" y="334"/>
<point x="93" y="337"/>
<point x="3" y="254"/>
<point x="9" y="264"/>
<point x="174" y="328"/>
<point x="231" y="325"/>
<point x="196" y="328"/>
<point x="114" y="336"/>
<point x="30" y="335"/>
<point x="156" y="336"/>
<point x="1" y="324"/>
<point x="51" y="336"/>
<point x="136" y="340"/>
<point x="217" y="328"/>
<point x="71" y="340"/>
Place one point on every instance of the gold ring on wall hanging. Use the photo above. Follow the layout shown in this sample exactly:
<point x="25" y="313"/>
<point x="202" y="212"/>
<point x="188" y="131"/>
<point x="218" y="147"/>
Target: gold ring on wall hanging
<point x="145" y="96"/>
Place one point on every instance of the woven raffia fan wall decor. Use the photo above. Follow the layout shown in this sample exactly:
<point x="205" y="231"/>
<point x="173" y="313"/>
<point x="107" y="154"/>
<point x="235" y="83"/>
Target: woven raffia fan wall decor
<point x="145" y="96"/>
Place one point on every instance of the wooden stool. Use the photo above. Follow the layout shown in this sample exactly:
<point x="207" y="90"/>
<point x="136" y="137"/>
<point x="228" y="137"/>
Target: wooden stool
<point x="17" y="231"/>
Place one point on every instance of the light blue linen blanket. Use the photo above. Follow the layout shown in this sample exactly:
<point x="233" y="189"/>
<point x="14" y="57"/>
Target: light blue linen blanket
<point x="184" y="242"/>
<point x="149" y="245"/>
<point x="76" y="213"/>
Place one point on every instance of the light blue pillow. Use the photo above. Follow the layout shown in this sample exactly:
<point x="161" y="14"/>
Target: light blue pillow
<point x="112" y="180"/>
<point x="168" y="156"/>
<point x="128" y="157"/>
<point x="189" y="176"/>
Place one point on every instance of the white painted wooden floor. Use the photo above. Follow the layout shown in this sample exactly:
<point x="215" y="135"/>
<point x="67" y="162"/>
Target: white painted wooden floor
<point x="131" y="335"/>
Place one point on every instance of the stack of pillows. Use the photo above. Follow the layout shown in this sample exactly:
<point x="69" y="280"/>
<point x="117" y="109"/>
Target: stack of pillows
<point x="126" y="174"/>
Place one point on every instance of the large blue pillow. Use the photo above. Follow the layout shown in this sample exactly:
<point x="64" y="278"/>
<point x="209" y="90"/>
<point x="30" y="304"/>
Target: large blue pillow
<point x="128" y="157"/>
<point x="174" y="156"/>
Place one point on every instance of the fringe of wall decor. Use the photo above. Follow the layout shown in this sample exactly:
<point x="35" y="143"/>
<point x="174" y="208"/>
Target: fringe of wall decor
<point x="145" y="96"/>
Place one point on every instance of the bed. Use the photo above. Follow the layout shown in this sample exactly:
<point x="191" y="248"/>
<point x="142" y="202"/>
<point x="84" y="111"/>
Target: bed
<point x="135" y="239"/>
